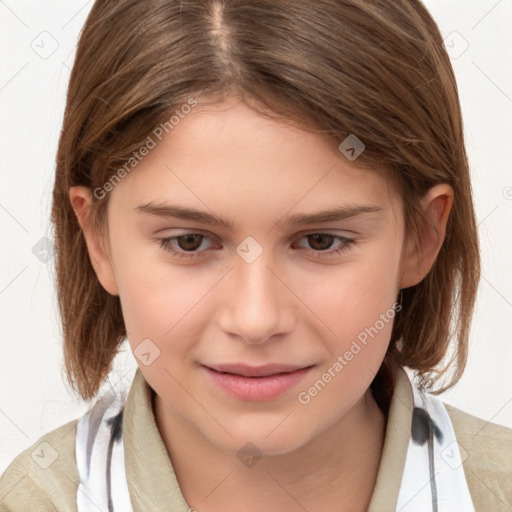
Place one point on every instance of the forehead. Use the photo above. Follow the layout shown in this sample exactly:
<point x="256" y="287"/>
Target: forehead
<point x="231" y="159"/>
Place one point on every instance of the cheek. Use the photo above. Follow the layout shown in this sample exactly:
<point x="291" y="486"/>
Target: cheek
<point x="157" y="303"/>
<point x="155" y="295"/>
<point x="359" y="317"/>
<point x="351" y="296"/>
<point x="356" y="307"/>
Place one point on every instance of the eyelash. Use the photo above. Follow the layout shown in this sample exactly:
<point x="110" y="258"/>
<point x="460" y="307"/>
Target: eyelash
<point x="167" y="245"/>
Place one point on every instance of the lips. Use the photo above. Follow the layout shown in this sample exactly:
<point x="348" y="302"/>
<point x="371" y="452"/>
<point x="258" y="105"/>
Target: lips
<point x="256" y="383"/>
<point x="256" y="371"/>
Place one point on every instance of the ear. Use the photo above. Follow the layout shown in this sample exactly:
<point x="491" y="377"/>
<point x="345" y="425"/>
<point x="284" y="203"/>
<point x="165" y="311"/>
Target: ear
<point x="81" y="201"/>
<point x="418" y="260"/>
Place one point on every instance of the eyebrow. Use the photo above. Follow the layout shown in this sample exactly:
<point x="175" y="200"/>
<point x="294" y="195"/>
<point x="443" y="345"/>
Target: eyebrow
<point x="322" y="216"/>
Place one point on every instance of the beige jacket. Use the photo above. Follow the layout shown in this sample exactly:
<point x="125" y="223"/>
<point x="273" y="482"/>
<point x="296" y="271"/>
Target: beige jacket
<point x="27" y="486"/>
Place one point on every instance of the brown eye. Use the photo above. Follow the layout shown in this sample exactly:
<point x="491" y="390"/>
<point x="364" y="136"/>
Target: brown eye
<point x="188" y="245"/>
<point x="320" y="241"/>
<point x="326" y="245"/>
<point x="189" y="242"/>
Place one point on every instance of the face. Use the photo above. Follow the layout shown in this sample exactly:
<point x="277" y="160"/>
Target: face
<point x="268" y="287"/>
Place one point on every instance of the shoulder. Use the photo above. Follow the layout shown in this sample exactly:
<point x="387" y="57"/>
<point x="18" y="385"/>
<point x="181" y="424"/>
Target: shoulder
<point x="44" y="477"/>
<point x="486" y="454"/>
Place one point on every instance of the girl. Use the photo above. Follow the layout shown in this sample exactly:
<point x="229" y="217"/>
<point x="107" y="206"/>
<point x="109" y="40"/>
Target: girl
<point x="271" y="201"/>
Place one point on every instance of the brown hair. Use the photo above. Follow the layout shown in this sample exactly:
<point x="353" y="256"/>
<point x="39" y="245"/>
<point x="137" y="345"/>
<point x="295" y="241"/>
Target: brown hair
<point x="374" y="69"/>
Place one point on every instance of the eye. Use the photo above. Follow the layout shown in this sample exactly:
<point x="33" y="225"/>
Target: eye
<point x="320" y="242"/>
<point x="188" y="244"/>
<point x="183" y="246"/>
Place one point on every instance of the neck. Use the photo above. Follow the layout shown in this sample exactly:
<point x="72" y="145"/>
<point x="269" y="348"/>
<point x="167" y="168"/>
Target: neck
<point x="335" y="471"/>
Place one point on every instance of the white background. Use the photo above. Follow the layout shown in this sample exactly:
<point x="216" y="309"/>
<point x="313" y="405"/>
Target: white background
<point x="34" y="398"/>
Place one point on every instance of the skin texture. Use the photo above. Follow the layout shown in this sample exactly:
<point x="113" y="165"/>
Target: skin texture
<point x="293" y="304"/>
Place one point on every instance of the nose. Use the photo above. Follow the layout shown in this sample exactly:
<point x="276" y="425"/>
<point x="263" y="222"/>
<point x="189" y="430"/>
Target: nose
<point x="257" y="305"/>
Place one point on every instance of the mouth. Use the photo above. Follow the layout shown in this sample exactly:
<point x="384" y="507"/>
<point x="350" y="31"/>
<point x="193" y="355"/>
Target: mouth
<point x="257" y="371"/>
<point x="256" y="384"/>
